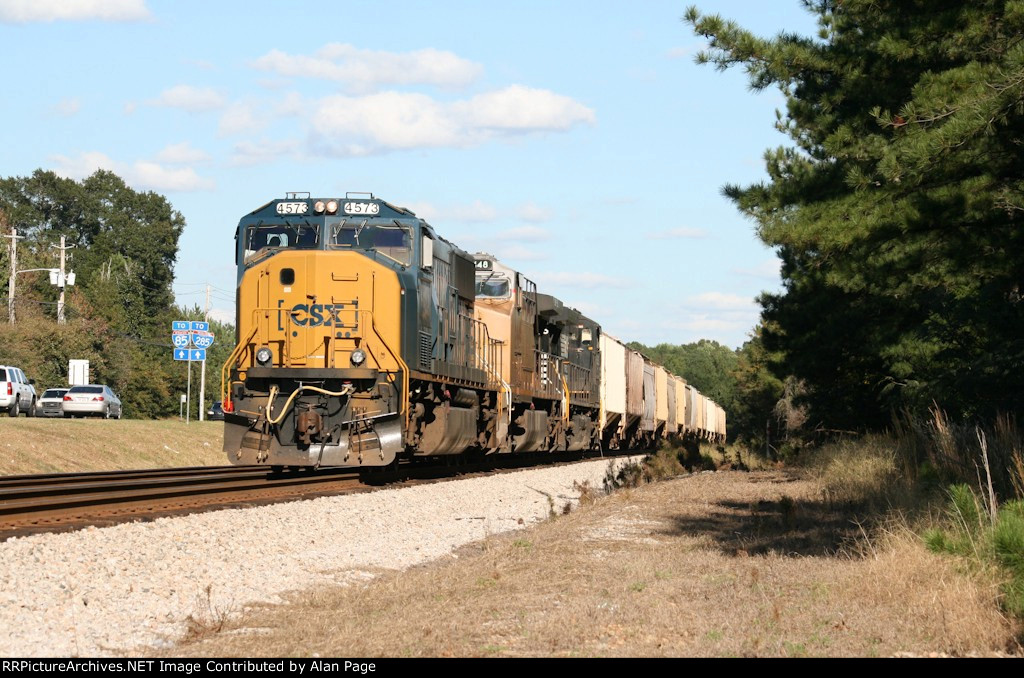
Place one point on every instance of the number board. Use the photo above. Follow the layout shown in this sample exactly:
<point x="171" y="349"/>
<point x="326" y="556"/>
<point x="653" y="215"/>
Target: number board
<point x="361" y="208"/>
<point x="483" y="264"/>
<point x="292" y="207"/>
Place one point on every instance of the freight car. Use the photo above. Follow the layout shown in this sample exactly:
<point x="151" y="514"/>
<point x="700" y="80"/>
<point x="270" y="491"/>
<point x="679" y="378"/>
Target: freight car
<point x="363" y="337"/>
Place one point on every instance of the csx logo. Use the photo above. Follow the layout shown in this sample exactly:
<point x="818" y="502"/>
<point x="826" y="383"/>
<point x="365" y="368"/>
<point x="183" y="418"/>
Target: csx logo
<point x="317" y="315"/>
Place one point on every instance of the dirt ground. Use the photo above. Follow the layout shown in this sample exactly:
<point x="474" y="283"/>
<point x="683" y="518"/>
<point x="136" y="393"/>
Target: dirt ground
<point x="712" y="564"/>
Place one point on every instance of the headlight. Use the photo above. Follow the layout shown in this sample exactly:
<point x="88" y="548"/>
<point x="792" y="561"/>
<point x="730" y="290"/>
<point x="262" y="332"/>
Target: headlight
<point x="332" y="206"/>
<point x="264" y="356"/>
<point x="319" y="207"/>
<point x="358" y="357"/>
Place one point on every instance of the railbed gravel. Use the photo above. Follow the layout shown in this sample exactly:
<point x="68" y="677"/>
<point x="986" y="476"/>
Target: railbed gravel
<point x="123" y="589"/>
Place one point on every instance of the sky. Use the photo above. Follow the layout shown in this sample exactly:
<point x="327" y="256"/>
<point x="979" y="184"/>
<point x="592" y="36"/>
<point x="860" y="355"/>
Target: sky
<point x="577" y="141"/>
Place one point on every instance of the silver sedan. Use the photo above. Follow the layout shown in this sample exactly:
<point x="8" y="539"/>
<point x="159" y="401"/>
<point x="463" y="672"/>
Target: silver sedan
<point x="93" y="399"/>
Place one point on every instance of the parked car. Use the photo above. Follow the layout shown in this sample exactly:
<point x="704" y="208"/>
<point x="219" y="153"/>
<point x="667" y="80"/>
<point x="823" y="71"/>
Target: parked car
<point x="95" y="399"/>
<point x="216" y="411"/>
<point x="52" y="402"/>
<point x="17" y="393"/>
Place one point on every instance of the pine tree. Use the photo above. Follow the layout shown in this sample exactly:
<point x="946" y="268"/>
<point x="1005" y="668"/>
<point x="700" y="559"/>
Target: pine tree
<point x="897" y="209"/>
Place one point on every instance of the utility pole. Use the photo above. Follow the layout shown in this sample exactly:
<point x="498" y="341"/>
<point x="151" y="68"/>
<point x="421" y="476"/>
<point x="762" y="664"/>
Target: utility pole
<point x="202" y="375"/>
<point x="14" y="271"/>
<point x="62" y="281"/>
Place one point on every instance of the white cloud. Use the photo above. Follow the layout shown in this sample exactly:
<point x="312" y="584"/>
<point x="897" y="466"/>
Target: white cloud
<point x="377" y="123"/>
<point x="674" y="233"/>
<point x="189" y="98"/>
<point x="525" y="234"/>
<point x="533" y="213"/>
<point x="82" y="166"/>
<point x="241" y="118"/>
<point x="365" y="70"/>
<point x="26" y="11"/>
<point x="182" y="154"/>
<point x="584" y="280"/>
<point x="387" y="121"/>
<point x="67" y="107"/>
<point x="141" y="174"/>
<point x="518" y="108"/>
<point x="160" y="178"/>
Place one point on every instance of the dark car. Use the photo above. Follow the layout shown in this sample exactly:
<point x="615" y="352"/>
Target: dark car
<point x="216" y="411"/>
<point x="52" y="403"/>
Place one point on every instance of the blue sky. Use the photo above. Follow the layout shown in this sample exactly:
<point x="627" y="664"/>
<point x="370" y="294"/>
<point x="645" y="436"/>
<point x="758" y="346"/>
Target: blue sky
<point x="578" y="141"/>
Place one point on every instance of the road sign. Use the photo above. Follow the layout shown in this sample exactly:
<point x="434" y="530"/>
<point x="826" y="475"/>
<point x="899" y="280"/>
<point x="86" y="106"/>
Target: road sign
<point x="180" y="339"/>
<point x="179" y="326"/>
<point x="180" y="353"/>
<point x="196" y="326"/>
<point x="198" y="354"/>
<point x="193" y="354"/>
<point x="202" y="339"/>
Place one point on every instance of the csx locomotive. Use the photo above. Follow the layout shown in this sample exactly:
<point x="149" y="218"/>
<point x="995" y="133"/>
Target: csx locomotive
<point x="365" y="337"/>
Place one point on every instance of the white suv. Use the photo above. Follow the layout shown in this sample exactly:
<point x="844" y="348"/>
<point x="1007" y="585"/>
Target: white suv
<point x="17" y="394"/>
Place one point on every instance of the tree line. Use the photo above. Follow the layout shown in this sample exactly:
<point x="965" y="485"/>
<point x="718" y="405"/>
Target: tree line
<point x="119" y="312"/>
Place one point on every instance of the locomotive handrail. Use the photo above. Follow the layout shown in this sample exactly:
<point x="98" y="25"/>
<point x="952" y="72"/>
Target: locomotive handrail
<point x="232" y="360"/>
<point x="492" y="346"/>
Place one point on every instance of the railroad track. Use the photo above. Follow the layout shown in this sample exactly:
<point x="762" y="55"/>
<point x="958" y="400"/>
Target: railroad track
<point x="68" y="501"/>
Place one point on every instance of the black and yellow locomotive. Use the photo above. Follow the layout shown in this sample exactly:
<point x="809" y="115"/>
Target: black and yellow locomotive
<point x="364" y="337"/>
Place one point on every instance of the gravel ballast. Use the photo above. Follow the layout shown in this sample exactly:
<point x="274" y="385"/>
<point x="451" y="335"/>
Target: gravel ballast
<point x="121" y="589"/>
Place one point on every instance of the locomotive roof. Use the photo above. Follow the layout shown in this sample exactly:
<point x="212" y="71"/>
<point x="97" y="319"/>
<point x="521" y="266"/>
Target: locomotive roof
<point x="351" y="204"/>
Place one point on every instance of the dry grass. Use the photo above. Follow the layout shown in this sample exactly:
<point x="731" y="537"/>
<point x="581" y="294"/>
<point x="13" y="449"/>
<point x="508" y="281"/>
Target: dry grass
<point x="68" y="445"/>
<point x="713" y="564"/>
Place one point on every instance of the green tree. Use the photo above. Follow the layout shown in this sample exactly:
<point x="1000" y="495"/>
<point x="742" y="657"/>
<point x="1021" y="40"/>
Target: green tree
<point x="897" y="208"/>
<point x="120" y="310"/>
<point x="752" y="418"/>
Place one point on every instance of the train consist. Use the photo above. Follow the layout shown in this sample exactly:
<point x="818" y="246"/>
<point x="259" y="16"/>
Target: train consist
<point x="365" y="337"/>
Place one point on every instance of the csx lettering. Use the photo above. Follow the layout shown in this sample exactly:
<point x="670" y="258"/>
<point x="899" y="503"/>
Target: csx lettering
<point x="317" y="315"/>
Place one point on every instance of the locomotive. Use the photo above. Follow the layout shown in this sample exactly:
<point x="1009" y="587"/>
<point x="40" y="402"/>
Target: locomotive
<point x="364" y="337"/>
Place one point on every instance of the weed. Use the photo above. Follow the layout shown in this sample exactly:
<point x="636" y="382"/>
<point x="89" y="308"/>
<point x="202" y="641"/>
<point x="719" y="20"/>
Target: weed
<point x="587" y="494"/>
<point x="1001" y="540"/>
<point x="208" y="620"/>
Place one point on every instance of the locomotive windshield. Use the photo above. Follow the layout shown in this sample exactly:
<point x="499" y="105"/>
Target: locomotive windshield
<point x="494" y="285"/>
<point x="281" y="236"/>
<point x="392" y="240"/>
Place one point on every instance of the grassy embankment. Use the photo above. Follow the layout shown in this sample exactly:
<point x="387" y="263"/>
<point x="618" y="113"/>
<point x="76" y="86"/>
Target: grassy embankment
<point x="69" y="445"/>
<point x="958" y="488"/>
